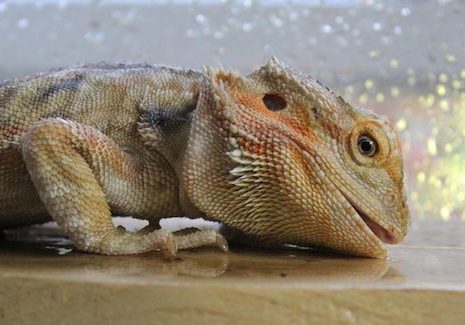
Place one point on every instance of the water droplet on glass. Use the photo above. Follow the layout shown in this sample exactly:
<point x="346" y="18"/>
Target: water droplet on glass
<point x="405" y="12"/>
<point x="276" y="21"/>
<point x="379" y="97"/>
<point x="200" y="19"/>
<point x="385" y="40"/>
<point x="443" y="78"/>
<point x="62" y="4"/>
<point x="368" y="84"/>
<point x="461" y="196"/>
<point x="190" y="33"/>
<point x="374" y="54"/>
<point x="124" y="18"/>
<point x="444" y="104"/>
<point x="94" y="37"/>
<point x="395" y="92"/>
<point x="421" y="177"/>
<point x="441" y="89"/>
<point x="293" y="16"/>
<point x="247" y="27"/>
<point x="401" y="124"/>
<point x="448" y="147"/>
<point x="393" y="63"/>
<point x="431" y="147"/>
<point x="326" y="29"/>
<point x="411" y="81"/>
<point x="456" y="84"/>
<point x="22" y="23"/>
<point x="363" y="98"/>
<point x="247" y="3"/>
<point x="445" y="213"/>
<point x="378" y="6"/>
<point x="218" y="34"/>
<point x="451" y="58"/>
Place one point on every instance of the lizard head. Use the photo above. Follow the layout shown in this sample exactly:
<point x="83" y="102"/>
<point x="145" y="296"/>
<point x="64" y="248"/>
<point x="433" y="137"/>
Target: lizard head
<point x="280" y="158"/>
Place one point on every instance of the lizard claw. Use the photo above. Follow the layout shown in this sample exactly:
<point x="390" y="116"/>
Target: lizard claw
<point x="121" y="229"/>
<point x="222" y="243"/>
<point x="170" y="248"/>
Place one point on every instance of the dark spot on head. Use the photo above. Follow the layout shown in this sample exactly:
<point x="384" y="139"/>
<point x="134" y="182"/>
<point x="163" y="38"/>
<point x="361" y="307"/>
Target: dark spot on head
<point x="282" y="274"/>
<point x="274" y="102"/>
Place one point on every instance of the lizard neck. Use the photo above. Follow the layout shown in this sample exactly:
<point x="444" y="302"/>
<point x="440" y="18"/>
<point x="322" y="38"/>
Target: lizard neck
<point x="165" y="123"/>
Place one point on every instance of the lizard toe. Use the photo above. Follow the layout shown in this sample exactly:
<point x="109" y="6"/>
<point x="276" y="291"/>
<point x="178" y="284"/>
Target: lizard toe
<point x="222" y="243"/>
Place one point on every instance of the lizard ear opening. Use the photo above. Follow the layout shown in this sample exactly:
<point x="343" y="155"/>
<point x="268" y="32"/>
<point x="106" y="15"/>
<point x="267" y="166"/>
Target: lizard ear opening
<point x="274" y="102"/>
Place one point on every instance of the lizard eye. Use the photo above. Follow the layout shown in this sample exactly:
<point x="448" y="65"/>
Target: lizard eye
<point x="367" y="146"/>
<point x="274" y="102"/>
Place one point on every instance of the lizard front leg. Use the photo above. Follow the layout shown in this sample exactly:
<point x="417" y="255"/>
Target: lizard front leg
<point x="79" y="173"/>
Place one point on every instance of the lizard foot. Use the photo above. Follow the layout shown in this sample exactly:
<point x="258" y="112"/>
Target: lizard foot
<point x="121" y="242"/>
<point x="200" y="238"/>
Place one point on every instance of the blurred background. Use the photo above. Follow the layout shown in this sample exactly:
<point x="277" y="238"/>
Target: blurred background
<point x="403" y="59"/>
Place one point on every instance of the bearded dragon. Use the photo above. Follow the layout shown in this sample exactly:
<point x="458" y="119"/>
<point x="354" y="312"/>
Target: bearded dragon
<point x="273" y="155"/>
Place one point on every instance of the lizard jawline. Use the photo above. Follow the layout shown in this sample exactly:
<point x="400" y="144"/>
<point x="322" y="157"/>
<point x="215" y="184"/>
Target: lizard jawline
<point x="382" y="234"/>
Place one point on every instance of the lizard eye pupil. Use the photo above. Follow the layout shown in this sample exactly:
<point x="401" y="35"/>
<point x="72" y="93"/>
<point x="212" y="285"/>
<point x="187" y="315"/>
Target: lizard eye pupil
<point x="274" y="102"/>
<point x="367" y="146"/>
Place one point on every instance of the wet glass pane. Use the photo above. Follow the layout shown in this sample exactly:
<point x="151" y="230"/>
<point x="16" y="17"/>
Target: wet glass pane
<point x="404" y="59"/>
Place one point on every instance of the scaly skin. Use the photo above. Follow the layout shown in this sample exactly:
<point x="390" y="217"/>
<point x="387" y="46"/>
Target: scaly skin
<point x="273" y="155"/>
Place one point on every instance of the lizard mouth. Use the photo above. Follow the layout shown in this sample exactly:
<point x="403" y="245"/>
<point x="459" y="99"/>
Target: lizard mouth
<point x="375" y="228"/>
<point x="379" y="231"/>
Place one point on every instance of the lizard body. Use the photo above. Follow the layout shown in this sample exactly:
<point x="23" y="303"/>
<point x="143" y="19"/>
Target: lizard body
<point x="273" y="155"/>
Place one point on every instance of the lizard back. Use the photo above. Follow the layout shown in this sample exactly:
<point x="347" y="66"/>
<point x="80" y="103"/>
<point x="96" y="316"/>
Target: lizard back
<point x="109" y="97"/>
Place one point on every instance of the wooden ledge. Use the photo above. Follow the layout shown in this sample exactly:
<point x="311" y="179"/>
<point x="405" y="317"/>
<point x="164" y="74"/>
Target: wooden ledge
<point x="45" y="282"/>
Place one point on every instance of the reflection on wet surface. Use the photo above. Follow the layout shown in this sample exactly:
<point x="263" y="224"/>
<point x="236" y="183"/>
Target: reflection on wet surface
<point x="45" y="251"/>
<point x="42" y="252"/>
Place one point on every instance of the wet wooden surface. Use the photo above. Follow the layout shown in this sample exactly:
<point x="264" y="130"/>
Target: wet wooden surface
<point x="43" y="279"/>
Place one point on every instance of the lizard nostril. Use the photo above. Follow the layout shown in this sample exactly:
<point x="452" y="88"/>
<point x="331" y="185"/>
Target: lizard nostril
<point x="274" y="102"/>
<point x="390" y="198"/>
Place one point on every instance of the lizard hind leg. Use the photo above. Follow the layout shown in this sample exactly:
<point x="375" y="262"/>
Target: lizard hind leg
<point x="70" y="165"/>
